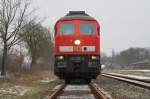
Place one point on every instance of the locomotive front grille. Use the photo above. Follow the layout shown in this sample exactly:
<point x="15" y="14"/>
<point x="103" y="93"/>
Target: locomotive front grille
<point x="76" y="58"/>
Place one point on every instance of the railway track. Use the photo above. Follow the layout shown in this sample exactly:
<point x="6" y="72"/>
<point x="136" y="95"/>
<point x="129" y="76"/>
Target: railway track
<point x="91" y="91"/>
<point x="133" y="81"/>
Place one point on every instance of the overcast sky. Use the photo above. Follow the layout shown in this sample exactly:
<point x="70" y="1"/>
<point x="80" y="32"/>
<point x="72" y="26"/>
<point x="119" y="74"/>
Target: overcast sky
<point x="124" y="23"/>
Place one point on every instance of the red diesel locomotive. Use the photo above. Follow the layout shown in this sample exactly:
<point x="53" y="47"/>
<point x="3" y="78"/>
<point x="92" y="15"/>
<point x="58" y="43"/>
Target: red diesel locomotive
<point x="77" y="47"/>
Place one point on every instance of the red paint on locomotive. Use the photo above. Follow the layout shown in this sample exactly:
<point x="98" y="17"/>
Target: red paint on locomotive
<point x="86" y="40"/>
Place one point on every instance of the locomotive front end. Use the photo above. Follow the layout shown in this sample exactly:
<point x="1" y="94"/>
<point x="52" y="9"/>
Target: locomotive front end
<point x="77" y="47"/>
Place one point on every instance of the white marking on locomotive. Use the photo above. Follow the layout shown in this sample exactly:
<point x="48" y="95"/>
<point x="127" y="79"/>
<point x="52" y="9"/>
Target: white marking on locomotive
<point x="88" y="48"/>
<point x="77" y="48"/>
<point x="66" y="48"/>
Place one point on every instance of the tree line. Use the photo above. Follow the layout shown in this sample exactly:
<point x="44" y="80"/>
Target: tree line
<point x="125" y="58"/>
<point x="19" y="27"/>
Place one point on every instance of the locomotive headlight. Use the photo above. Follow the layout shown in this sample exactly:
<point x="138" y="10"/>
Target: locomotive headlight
<point x="77" y="42"/>
<point x="60" y="57"/>
<point x="95" y="57"/>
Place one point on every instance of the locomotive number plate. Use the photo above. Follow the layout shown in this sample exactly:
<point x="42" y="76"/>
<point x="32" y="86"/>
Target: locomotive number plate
<point x="77" y="48"/>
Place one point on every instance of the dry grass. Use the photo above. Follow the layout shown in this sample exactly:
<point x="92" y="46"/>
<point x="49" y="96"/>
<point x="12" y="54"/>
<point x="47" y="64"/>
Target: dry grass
<point x="34" y="85"/>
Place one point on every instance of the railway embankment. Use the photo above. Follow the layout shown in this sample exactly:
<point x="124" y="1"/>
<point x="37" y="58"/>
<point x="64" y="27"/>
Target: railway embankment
<point x="120" y="89"/>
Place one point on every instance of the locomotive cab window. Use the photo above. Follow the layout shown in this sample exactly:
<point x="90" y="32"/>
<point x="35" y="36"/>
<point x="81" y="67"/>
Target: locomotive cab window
<point x="87" y="29"/>
<point x="67" y="28"/>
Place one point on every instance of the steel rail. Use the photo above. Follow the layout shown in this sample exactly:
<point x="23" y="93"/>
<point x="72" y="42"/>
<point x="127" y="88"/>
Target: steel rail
<point x="133" y="81"/>
<point x="56" y="93"/>
<point x="128" y="77"/>
<point x="97" y="91"/>
<point x="94" y="90"/>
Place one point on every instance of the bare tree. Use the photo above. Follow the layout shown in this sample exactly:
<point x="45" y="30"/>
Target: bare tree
<point x="38" y="42"/>
<point x="12" y="16"/>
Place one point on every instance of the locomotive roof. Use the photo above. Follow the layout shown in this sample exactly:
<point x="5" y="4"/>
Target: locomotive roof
<point x="77" y="15"/>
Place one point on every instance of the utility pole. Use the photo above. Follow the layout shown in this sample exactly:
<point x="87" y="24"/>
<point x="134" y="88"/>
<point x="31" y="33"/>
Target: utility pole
<point x="113" y="57"/>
